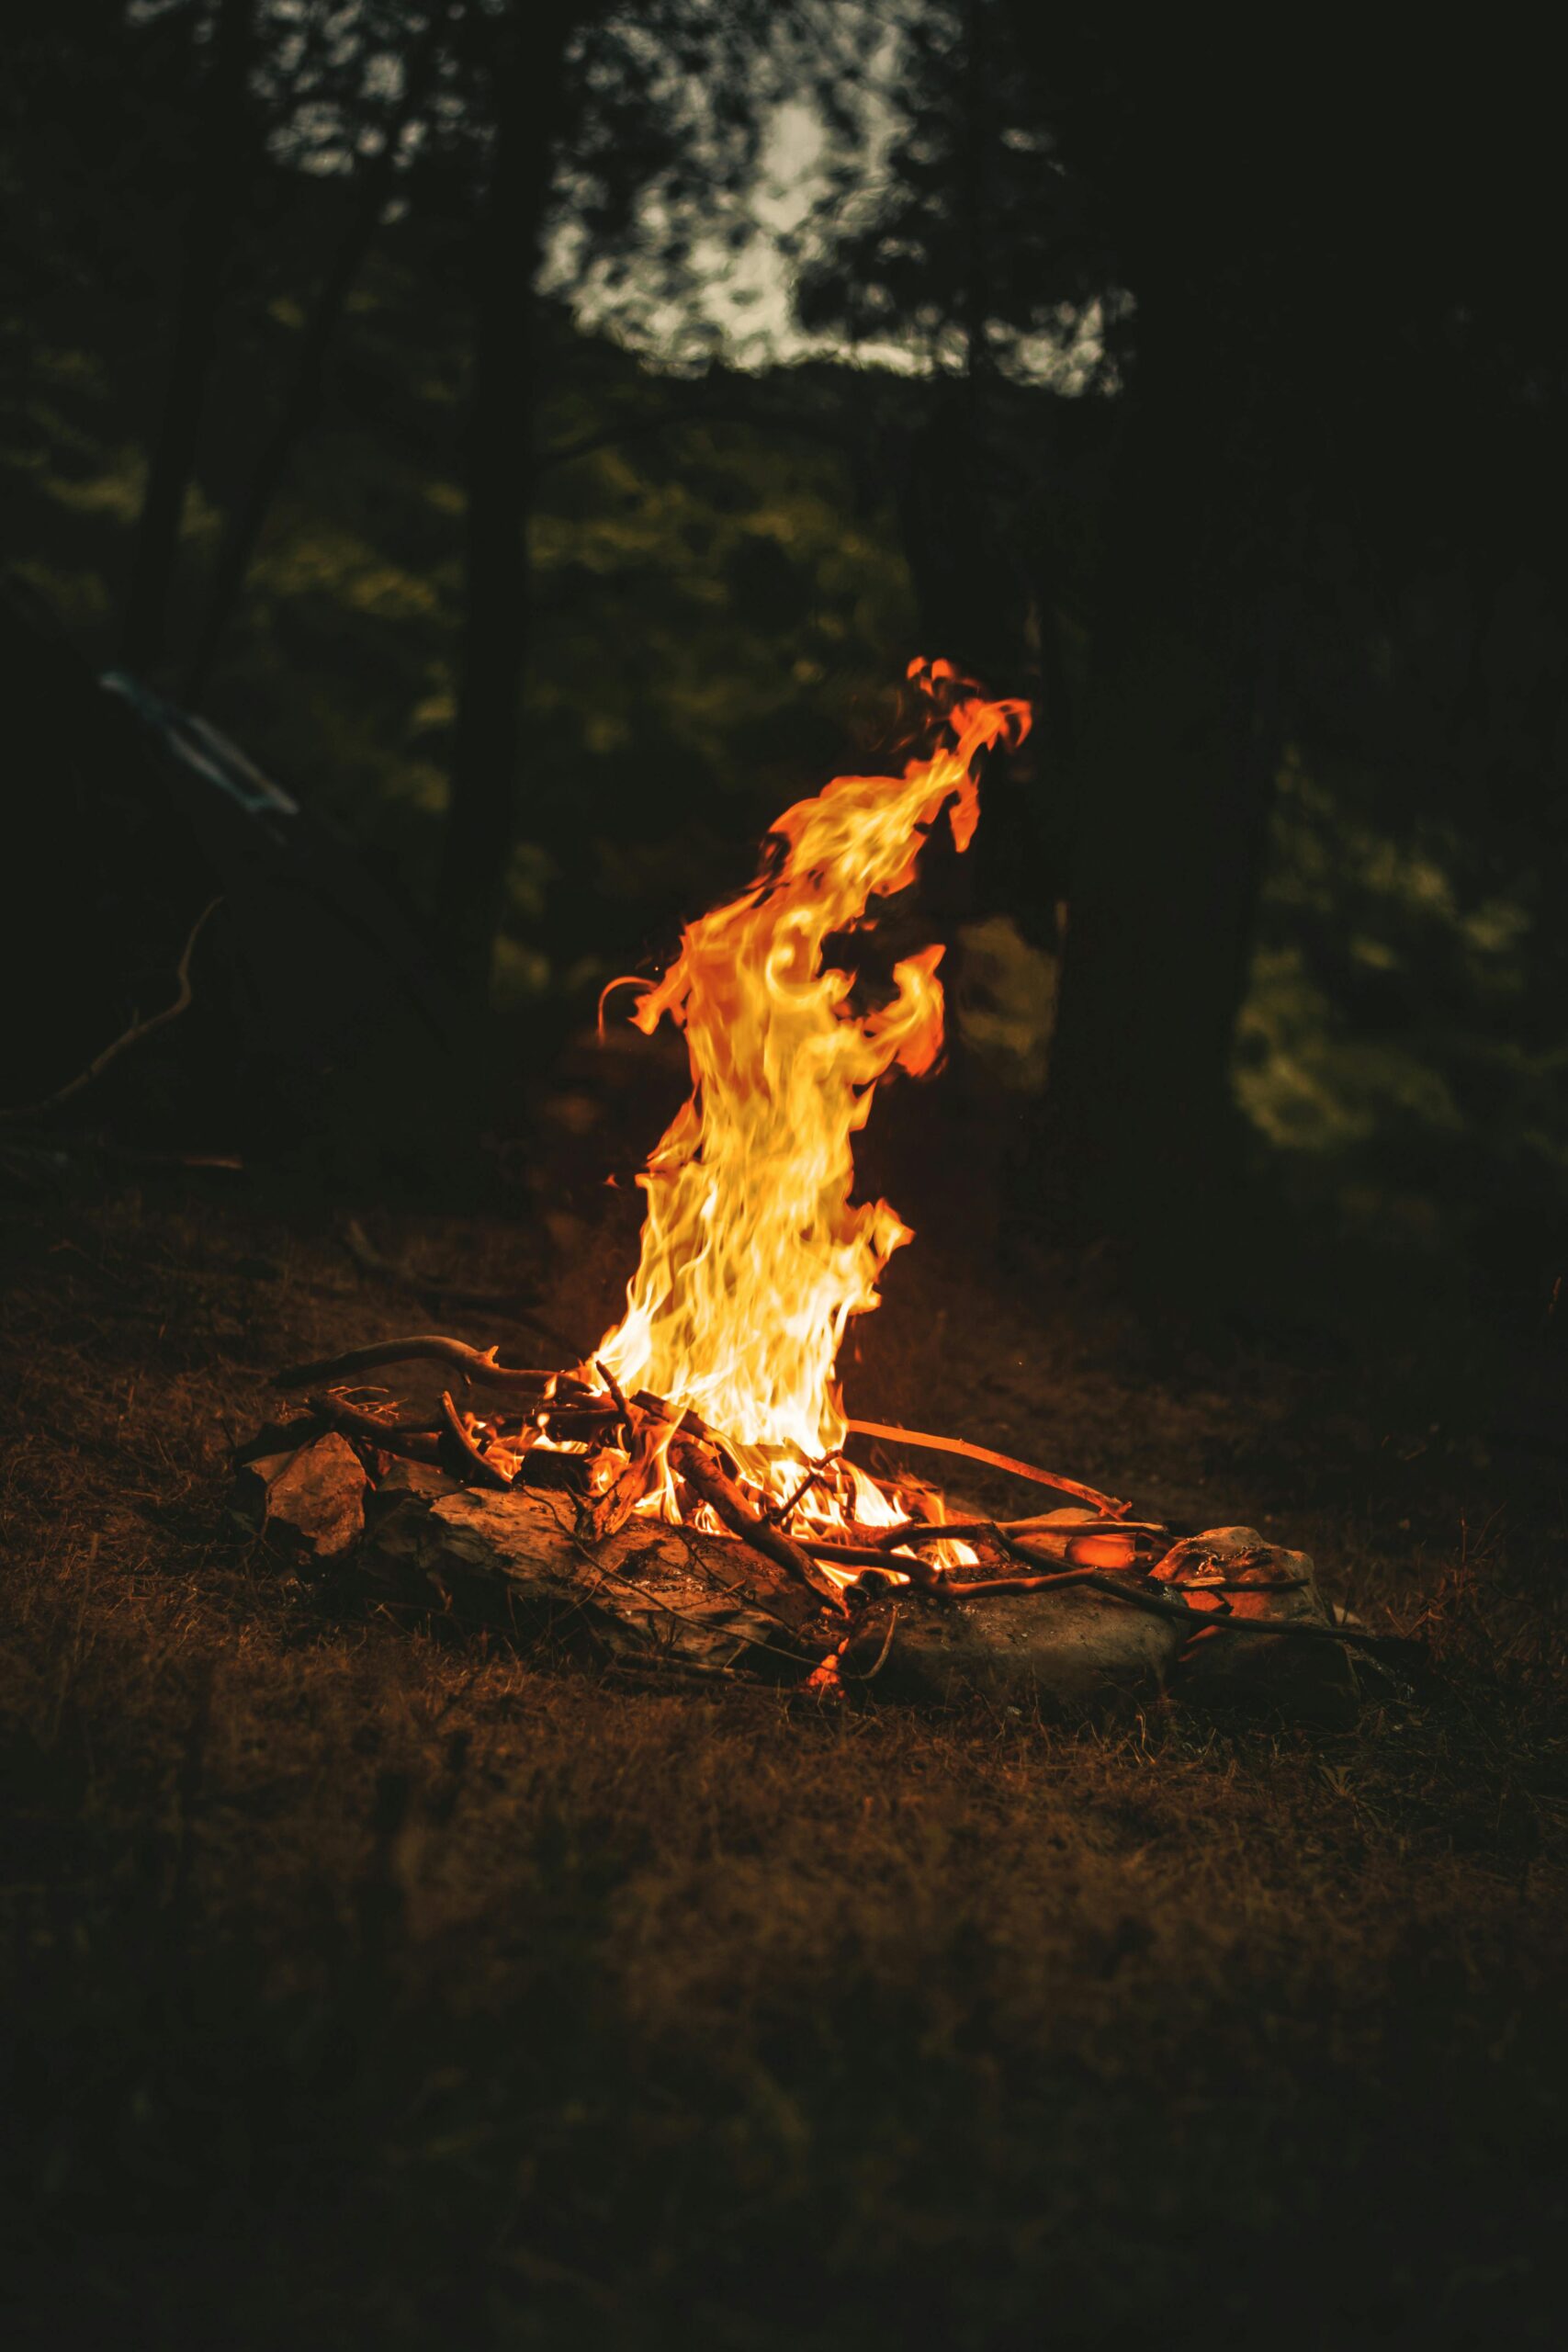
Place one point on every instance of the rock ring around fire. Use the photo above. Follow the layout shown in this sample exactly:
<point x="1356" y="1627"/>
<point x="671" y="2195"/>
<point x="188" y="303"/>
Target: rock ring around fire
<point x="671" y="1599"/>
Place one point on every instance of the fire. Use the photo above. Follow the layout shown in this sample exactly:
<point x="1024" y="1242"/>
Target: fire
<point x="754" y="1255"/>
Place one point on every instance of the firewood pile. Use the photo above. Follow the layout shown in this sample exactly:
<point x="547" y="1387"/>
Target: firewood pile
<point x="535" y="1502"/>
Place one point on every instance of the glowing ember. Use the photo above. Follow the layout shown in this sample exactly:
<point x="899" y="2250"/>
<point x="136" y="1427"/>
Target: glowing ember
<point x="753" y="1255"/>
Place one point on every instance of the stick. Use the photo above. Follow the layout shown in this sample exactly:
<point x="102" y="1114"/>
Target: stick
<point x="477" y="1365"/>
<point x="131" y="1037"/>
<point x="861" y="1555"/>
<point x="601" y="1568"/>
<point x="979" y="1587"/>
<point x="873" y="1671"/>
<point x="780" y="1513"/>
<point x="708" y="1480"/>
<point x="924" y="1438"/>
<point x="485" y="1474"/>
<point x="1108" y="1543"/>
<point x="610" y="1513"/>
<point x="937" y="1530"/>
<point x="413" y="1443"/>
<point x="613" y="1385"/>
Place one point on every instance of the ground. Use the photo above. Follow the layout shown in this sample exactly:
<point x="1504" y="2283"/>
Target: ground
<point x="366" y="1983"/>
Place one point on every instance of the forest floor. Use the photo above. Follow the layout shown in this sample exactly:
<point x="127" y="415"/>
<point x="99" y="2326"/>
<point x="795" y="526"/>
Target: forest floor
<point x="368" y="1983"/>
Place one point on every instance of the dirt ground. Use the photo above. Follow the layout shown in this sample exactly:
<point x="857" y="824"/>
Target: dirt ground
<point x="369" y="1983"/>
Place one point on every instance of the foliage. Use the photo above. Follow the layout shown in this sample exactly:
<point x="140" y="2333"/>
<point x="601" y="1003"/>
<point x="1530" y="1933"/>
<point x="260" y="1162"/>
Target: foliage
<point x="724" y="593"/>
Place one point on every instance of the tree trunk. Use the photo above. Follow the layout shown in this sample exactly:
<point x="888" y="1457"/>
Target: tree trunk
<point x="529" y="82"/>
<point x="221" y="164"/>
<point x="1140" y="1135"/>
<point x="304" y="396"/>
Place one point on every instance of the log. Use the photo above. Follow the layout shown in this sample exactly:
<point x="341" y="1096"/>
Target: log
<point x="649" y="1593"/>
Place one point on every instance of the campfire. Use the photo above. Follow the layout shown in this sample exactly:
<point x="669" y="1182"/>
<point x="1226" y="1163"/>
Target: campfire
<point x="687" y="1487"/>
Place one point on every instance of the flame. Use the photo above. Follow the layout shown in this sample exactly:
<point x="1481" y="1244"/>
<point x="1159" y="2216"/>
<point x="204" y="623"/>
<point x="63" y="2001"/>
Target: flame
<point x="754" y="1256"/>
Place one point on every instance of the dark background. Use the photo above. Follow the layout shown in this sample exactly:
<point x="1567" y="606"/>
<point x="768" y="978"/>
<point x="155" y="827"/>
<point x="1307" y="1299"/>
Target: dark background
<point x="381" y="386"/>
<point x="537" y="437"/>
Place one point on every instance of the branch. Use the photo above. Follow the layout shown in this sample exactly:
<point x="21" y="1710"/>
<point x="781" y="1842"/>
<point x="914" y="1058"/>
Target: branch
<point x="392" y="1437"/>
<point x="961" y="1530"/>
<point x="477" y="1365"/>
<point x="131" y="1037"/>
<point x="706" y="1479"/>
<point x="922" y="1439"/>
<point x="484" y="1473"/>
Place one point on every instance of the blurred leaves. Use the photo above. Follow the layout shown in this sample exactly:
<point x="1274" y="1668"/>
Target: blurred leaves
<point x="1395" y="1017"/>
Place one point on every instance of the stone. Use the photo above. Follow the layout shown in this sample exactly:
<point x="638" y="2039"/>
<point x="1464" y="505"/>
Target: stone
<point x="1072" y="1653"/>
<point x="1310" y="1682"/>
<point x="665" y="1598"/>
<point x="310" y="1499"/>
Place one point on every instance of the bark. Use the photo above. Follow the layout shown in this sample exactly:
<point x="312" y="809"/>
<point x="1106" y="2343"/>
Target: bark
<point x="303" y="399"/>
<point x="1176" y="736"/>
<point x="220" y="169"/>
<point x="1140" y="1135"/>
<point x="529" y="82"/>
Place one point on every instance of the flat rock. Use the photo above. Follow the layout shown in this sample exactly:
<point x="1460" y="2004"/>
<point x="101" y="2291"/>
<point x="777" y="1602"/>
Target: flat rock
<point x="1262" y="1584"/>
<point x="312" y="1497"/>
<point x="670" y="1598"/>
<point x="1073" y="1652"/>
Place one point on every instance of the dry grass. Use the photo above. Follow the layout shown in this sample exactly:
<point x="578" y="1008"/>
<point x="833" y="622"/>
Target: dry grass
<point x="366" y="1986"/>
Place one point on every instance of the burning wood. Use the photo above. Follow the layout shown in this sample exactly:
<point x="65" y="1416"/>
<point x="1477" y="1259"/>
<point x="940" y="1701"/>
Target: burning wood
<point x="704" y="1440"/>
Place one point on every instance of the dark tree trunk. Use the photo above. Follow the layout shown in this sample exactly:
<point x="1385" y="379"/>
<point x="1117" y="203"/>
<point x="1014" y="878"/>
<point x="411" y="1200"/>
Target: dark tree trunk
<point x="1176" y="740"/>
<point x="304" y="396"/>
<point x="1174" y="771"/>
<point x="529" y="84"/>
<point x="221" y="162"/>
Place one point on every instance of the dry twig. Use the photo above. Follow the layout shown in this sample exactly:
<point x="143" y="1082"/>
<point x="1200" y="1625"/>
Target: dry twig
<point x="613" y="1385"/>
<point x="781" y="1513"/>
<point x="705" y="1478"/>
<point x="485" y="1474"/>
<point x="962" y="1531"/>
<point x="611" y="1512"/>
<point x="128" y="1037"/>
<point x="923" y="1440"/>
<point x="873" y="1670"/>
<point x="412" y="1443"/>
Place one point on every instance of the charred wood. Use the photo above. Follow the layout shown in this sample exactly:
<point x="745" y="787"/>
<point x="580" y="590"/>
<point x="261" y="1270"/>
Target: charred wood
<point x="465" y="1455"/>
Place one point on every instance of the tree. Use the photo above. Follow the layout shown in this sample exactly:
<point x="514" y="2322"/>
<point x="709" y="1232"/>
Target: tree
<point x="224" y="153"/>
<point x="373" y="183"/>
<point x="528" y="75"/>
<point x="1278" y="352"/>
<point x="619" y="136"/>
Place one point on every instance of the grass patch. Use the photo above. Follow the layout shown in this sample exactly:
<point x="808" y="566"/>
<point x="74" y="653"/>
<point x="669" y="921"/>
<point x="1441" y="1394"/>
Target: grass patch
<point x="367" y="1982"/>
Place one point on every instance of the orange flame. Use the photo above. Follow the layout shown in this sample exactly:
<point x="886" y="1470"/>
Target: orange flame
<point x="753" y="1255"/>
